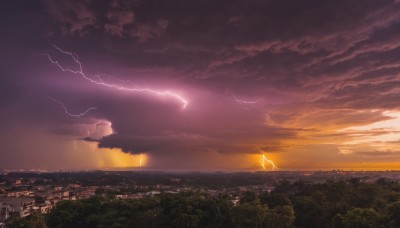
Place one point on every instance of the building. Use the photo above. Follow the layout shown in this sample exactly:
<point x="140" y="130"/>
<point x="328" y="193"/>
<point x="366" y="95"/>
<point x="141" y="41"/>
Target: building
<point x="5" y="212"/>
<point x="20" y="206"/>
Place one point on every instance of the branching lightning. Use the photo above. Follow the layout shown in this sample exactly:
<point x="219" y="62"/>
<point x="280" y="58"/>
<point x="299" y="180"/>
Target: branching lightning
<point x="100" y="82"/>
<point x="265" y="160"/>
<point x="70" y="114"/>
<point x="241" y="101"/>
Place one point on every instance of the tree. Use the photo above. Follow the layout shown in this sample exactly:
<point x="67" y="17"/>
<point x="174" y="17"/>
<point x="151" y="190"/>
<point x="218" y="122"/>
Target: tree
<point x="337" y="194"/>
<point x="393" y="213"/>
<point x="249" y="197"/>
<point x="278" y="199"/>
<point x="186" y="217"/>
<point x="337" y="221"/>
<point x="283" y="186"/>
<point x="248" y="215"/>
<point x="280" y="217"/>
<point x="194" y="210"/>
<point x="82" y="213"/>
<point x="34" y="220"/>
<point x="312" y="211"/>
<point x="361" y="218"/>
<point x="365" y="195"/>
<point x="264" y="197"/>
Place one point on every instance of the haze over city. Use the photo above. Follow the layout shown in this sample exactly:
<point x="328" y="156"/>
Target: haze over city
<point x="200" y="85"/>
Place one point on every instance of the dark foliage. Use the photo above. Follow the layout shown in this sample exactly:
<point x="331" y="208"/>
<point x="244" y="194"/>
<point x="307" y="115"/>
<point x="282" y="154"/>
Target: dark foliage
<point x="299" y="204"/>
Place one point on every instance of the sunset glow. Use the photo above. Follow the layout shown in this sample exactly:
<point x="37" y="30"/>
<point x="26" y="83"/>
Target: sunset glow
<point x="160" y="86"/>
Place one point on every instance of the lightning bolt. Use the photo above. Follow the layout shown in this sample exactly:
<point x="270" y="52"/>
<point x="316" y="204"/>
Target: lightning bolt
<point x="241" y="101"/>
<point x="89" y="133"/>
<point x="265" y="160"/>
<point x="70" y="114"/>
<point x="75" y="145"/>
<point x="100" y="82"/>
<point x="140" y="160"/>
<point x="96" y="127"/>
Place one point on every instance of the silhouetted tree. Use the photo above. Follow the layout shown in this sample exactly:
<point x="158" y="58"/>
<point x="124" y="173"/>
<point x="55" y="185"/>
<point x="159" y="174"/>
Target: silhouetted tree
<point x="34" y="220"/>
<point x="248" y="215"/>
<point x="280" y="217"/>
<point x="361" y="218"/>
<point x="278" y="199"/>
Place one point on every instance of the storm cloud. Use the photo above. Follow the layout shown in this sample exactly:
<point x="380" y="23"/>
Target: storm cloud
<point x="296" y="79"/>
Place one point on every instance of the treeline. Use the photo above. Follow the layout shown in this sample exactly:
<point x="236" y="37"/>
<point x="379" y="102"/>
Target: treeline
<point x="300" y="204"/>
<point x="216" y="180"/>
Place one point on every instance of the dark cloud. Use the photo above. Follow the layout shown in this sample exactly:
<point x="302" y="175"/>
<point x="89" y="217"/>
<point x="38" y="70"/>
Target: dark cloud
<point x="118" y="20"/>
<point x="75" y="17"/>
<point x="300" y="73"/>
<point x="145" y="32"/>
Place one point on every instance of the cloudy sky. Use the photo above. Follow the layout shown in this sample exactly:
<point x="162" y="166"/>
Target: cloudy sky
<point x="202" y="85"/>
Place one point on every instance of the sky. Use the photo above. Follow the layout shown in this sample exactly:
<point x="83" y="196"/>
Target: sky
<point x="200" y="85"/>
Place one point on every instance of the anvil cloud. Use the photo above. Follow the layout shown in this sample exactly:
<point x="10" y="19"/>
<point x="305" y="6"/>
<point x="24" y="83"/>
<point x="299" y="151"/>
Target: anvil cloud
<point x="311" y="83"/>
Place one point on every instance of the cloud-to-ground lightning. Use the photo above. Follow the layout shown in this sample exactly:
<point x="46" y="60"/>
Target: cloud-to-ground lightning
<point x="265" y="160"/>
<point x="100" y="82"/>
<point x="75" y="145"/>
<point x="71" y="114"/>
<point x="140" y="160"/>
<point x="241" y="101"/>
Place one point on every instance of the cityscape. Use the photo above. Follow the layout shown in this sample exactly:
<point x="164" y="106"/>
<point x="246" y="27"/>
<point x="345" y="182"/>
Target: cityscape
<point x="201" y="113"/>
<point x="23" y="194"/>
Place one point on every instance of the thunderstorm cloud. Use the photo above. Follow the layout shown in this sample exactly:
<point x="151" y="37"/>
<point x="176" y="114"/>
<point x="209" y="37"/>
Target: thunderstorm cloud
<point x="306" y="81"/>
